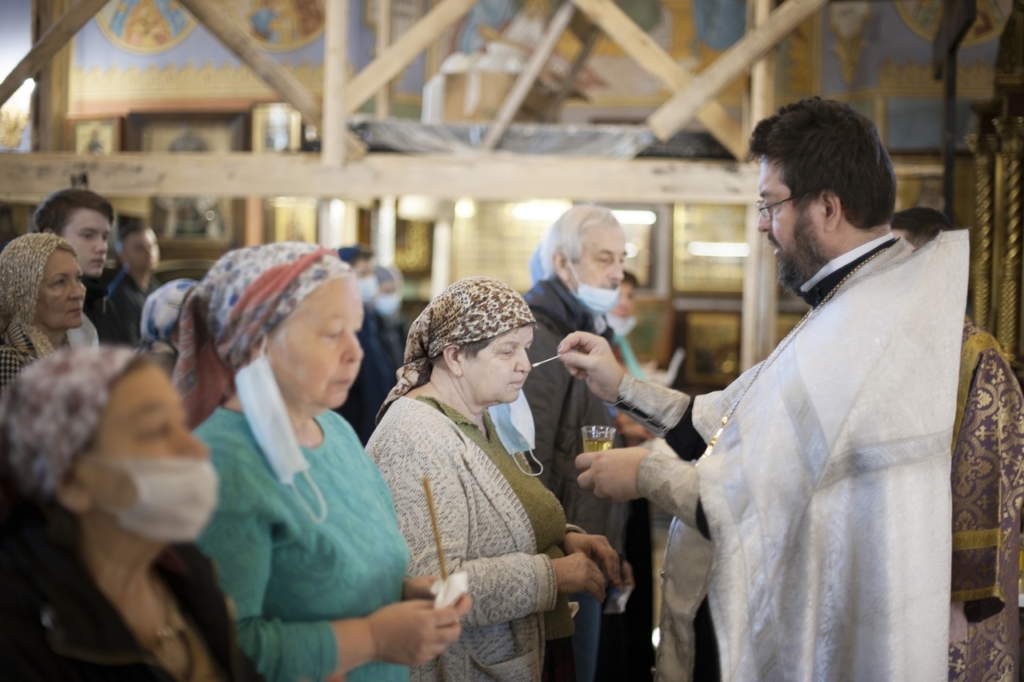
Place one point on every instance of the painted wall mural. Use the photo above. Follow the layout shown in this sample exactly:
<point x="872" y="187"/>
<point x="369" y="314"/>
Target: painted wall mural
<point x="145" y="26"/>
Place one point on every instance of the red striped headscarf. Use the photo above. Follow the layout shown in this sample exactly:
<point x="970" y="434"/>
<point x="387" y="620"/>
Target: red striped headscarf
<point x="233" y="309"/>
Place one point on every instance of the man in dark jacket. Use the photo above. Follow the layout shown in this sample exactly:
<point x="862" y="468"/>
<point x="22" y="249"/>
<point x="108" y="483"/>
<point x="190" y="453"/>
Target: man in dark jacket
<point x="139" y="254"/>
<point x="84" y="218"/>
<point x="581" y="260"/>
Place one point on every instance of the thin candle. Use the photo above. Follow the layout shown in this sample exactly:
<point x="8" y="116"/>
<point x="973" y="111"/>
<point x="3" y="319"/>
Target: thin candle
<point x="437" y="531"/>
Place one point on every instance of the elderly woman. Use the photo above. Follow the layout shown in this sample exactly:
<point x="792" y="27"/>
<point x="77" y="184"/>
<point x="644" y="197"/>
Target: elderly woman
<point x="305" y="536"/>
<point x="158" y="327"/>
<point x="466" y="353"/>
<point x="41" y="297"/>
<point x="103" y="489"/>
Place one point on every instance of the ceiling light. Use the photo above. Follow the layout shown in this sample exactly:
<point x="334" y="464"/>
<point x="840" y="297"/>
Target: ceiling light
<point x="719" y="249"/>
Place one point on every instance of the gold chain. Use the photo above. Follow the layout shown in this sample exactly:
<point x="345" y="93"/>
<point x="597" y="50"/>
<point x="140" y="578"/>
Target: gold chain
<point x="781" y="347"/>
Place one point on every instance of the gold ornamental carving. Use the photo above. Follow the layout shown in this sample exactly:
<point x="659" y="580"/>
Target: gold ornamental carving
<point x="983" y="147"/>
<point x="1011" y="140"/>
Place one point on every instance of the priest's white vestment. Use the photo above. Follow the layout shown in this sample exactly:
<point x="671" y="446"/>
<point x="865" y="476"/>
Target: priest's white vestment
<point x="827" y="495"/>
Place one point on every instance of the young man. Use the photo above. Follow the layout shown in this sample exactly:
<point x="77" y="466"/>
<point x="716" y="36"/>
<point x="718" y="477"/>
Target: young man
<point x="987" y="487"/>
<point x="84" y="218"/>
<point x="139" y="254"/>
<point x="817" y="522"/>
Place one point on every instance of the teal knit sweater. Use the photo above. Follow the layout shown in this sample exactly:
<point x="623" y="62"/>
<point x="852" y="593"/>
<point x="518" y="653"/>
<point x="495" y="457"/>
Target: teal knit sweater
<point x="288" y="576"/>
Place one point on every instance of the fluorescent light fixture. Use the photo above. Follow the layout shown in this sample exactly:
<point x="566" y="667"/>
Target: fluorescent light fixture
<point x="719" y="249"/>
<point x="465" y="208"/>
<point x="635" y="217"/>
<point x="540" y="211"/>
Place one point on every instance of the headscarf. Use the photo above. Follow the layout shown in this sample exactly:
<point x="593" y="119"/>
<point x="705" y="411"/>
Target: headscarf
<point x="22" y="264"/>
<point x="233" y="309"/>
<point x="161" y="310"/>
<point x="471" y="310"/>
<point x="50" y="412"/>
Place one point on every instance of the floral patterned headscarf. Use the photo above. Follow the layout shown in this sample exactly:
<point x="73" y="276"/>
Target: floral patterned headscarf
<point x="51" y="411"/>
<point x="161" y="310"/>
<point x="231" y="311"/>
<point x="471" y="310"/>
<point x="22" y="264"/>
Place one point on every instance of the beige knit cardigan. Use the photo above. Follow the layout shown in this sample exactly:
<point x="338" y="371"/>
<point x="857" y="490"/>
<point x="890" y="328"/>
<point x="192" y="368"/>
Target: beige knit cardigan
<point x="486" y="533"/>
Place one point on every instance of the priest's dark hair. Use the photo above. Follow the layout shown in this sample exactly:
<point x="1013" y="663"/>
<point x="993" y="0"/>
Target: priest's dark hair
<point x="920" y="224"/>
<point x="822" y="145"/>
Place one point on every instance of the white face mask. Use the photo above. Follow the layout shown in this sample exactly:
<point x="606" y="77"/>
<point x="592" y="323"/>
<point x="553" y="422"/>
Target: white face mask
<point x="595" y="300"/>
<point x="267" y="416"/>
<point x="387" y="304"/>
<point x="175" y="497"/>
<point x="621" y="325"/>
<point x="516" y="429"/>
<point x="368" y="287"/>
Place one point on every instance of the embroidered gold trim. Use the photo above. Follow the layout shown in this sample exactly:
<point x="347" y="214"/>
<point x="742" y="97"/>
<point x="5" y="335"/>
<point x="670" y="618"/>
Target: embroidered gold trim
<point x="976" y="539"/>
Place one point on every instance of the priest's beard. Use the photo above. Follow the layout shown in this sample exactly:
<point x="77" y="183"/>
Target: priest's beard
<point x="799" y="263"/>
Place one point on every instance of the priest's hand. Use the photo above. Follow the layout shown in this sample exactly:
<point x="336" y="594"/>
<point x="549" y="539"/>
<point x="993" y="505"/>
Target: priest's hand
<point x="589" y="357"/>
<point x="611" y="473"/>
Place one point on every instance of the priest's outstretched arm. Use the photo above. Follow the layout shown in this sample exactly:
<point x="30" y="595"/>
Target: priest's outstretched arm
<point x="668" y="481"/>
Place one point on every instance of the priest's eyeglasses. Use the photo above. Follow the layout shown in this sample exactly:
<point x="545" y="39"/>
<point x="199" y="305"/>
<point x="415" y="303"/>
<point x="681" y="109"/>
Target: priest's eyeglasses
<point x="766" y="209"/>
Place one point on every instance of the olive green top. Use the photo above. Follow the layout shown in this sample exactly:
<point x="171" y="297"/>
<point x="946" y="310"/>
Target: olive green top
<point x="542" y="507"/>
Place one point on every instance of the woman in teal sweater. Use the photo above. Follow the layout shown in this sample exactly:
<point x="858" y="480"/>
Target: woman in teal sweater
<point x="305" y="534"/>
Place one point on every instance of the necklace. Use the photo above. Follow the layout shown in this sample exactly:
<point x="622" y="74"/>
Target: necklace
<point x="778" y="351"/>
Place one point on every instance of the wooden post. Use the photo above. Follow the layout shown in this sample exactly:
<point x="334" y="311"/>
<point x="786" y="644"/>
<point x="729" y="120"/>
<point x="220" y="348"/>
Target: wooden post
<point x="760" y="291"/>
<point x="383" y="100"/>
<point x="556" y="27"/>
<point x="55" y="38"/>
<point x="685" y="104"/>
<point x="214" y="17"/>
<point x="403" y="51"/>
<point x="332" y="147"/>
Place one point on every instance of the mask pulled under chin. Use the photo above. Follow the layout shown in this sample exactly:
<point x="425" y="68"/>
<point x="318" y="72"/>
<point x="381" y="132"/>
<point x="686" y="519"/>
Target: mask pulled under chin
<point x="175" y="497"/>
<point x="596" y="300"/>
<point x="267" y="416"/>
<point x="621" y="325"/>
<point x="516" y="430"/>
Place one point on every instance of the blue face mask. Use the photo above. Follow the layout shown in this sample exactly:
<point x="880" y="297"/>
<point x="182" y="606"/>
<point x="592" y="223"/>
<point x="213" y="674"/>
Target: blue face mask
<point x="367" y="287"/>
<point x="595" y="300"/>
<point x="387" y="304"/>
<point x="516" y="430"/>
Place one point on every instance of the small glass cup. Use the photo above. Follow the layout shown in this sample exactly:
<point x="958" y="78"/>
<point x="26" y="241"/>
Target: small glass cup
<point x="597" y="438"/>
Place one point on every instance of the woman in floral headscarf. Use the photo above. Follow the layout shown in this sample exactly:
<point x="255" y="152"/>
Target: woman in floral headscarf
<point x="103" y="490"/>
<point x="41" y="297"/>
<point x="465" y="357"/>
<point x="305" y="535"/>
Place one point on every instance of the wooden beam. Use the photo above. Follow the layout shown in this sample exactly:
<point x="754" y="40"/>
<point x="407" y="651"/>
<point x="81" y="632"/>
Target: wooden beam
<point x="760" y="292"/>
<point x="685" y="104"/>
<point x="649" y="55"/>
<point x="216" y="20"/>
<point x="63" y="30"/>
<point x="383" y="101"/>
<point x="528" y="76"/>
<point x="403" y="51"/>
<point x="332" y="142"/>
<point x="569" y="82"/>
<point x="498" y="177"/>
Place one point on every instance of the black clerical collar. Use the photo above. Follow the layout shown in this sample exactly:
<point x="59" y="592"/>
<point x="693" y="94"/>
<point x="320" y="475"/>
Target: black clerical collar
<point x="817" y="293"/>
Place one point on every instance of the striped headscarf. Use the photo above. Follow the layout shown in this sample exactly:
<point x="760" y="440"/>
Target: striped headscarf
<point x="51" y="411"/>
<point x="471" y="310"/>
<point x="22" y="264"/>
<point x="241" y="299"/>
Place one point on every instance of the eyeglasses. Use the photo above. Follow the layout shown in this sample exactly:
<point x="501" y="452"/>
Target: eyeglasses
<point x="765" y="209"/>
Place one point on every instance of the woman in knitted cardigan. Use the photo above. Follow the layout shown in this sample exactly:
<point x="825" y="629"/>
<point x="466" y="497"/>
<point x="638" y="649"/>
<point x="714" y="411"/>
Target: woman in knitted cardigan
<point x="498" y="523"/>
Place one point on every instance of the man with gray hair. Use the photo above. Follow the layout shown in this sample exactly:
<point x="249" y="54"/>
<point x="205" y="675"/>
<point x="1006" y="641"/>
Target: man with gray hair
<point x="581" y="262"/>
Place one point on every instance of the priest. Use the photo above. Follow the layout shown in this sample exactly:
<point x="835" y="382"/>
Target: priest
<point x="812" y="537"/>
